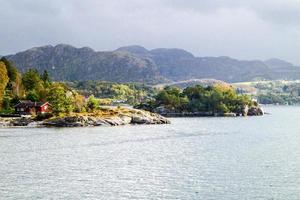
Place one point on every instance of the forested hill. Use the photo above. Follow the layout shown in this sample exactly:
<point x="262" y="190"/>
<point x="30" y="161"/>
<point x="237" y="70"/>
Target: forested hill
<point x="137" y="64"/>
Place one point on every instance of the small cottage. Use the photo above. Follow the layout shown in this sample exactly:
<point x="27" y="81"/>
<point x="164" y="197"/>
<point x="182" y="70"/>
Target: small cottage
<point x="29" y="107"/>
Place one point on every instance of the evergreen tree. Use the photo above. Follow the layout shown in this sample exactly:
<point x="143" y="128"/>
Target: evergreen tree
<point x="32" y="96"/>
<point x="45" y="77"/>
<point x="32" y="80"/>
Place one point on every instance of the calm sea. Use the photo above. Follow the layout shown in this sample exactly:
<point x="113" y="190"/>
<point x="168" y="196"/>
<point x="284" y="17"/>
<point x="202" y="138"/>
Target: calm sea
<point x="193" y="158"/>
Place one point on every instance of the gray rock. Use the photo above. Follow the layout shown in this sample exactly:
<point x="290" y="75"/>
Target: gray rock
<point x="131" y="116"/>
<point x="22" y="121"/>
<point x="255" y="111"/>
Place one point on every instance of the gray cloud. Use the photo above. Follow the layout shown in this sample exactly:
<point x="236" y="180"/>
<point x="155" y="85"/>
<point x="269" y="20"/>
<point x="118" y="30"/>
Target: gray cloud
<point x="243" y="29"/>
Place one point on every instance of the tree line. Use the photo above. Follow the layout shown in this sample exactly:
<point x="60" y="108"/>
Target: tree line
<point x="129" y="93"/>
<point x="218" y="99"/>
<point x="36" y="87"/>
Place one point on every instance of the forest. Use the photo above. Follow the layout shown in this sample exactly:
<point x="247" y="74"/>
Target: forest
<point x="37" y="87"/>
<point x="109" y="93"/>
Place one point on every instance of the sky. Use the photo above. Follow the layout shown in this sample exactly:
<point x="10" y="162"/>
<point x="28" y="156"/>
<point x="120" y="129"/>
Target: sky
<point x="243" y="29"/>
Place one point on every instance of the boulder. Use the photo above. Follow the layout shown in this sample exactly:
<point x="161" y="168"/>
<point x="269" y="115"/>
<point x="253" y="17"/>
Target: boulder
<point x="5" y="122"/>
<point x="64" y="122"/>
<point x="140" y="120"/>
<point x="22" y="121"/>
<point x="255" y="111"/>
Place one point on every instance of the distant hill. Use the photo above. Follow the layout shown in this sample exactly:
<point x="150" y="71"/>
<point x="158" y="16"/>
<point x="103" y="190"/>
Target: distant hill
<point x="277" y="63"/>
<point x="178" y="65"/>
<point x="137" y="64"/>
<point x="65" y="62"/>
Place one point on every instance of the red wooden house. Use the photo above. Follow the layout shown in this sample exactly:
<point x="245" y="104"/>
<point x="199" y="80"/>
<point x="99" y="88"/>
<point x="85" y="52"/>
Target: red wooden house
<point x="29" y="107"/>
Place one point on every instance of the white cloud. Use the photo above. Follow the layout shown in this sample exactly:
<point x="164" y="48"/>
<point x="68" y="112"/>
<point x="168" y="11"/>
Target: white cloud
<point x="242" y="29"/>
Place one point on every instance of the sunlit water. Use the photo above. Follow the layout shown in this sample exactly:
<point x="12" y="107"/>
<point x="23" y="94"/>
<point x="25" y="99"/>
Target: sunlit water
<point x="193" y="158"/>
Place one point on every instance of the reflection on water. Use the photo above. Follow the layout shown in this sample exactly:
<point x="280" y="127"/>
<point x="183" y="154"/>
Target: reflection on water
<point x="194" y="158"/>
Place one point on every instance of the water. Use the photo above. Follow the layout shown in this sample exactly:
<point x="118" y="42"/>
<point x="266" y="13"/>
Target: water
<point x="193" y="158"/>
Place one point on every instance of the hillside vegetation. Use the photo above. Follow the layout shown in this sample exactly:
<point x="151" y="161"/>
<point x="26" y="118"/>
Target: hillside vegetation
<point x="114" y="93"/>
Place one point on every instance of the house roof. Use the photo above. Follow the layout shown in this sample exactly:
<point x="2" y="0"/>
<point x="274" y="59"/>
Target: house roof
<point x="30" y="104"/>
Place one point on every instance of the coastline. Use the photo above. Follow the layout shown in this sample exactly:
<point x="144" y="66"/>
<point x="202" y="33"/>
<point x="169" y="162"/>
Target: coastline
<point x="111" y="117"/>
<point x="108" y="117"/>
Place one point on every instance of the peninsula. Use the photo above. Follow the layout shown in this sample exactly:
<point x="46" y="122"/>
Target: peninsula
<point x="32" y="99"/>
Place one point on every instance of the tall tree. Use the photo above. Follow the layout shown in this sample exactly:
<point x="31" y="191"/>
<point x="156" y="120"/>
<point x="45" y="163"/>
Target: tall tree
<point x="3" y="81"/>
<point x="92" y="103"/>
<point x="61" y="100"/>
<point x="45" y="77"/>
<point x="11" y="69"/>
<point x="32" y="80"/>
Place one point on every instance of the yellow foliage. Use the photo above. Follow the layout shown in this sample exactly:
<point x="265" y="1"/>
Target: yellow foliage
<point x="105" y="101"/>
<point x="223" y="87"/>
<point x="3" y="81"/>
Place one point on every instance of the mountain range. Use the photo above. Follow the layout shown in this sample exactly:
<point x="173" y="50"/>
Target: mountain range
<point x="137" y="64"/>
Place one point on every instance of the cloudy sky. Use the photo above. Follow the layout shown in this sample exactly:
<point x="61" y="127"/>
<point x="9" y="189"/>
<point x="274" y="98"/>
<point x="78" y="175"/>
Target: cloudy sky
<point x="244" y="29"/>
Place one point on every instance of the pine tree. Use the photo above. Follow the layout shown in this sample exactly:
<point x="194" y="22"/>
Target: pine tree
<point x="32" y="80"/>
<point x="45" y="77"/>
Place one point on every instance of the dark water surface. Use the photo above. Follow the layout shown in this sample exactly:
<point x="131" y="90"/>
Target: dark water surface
<point x="193" y="158"/>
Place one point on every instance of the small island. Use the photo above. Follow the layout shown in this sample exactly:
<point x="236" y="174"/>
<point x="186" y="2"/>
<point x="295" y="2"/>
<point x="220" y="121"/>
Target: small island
<point x="217" y="100"/>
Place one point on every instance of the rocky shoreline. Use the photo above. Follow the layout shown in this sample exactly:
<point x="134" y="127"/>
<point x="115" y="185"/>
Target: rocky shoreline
<point x="117" y="118"/>
<point x="111" y="117"/>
